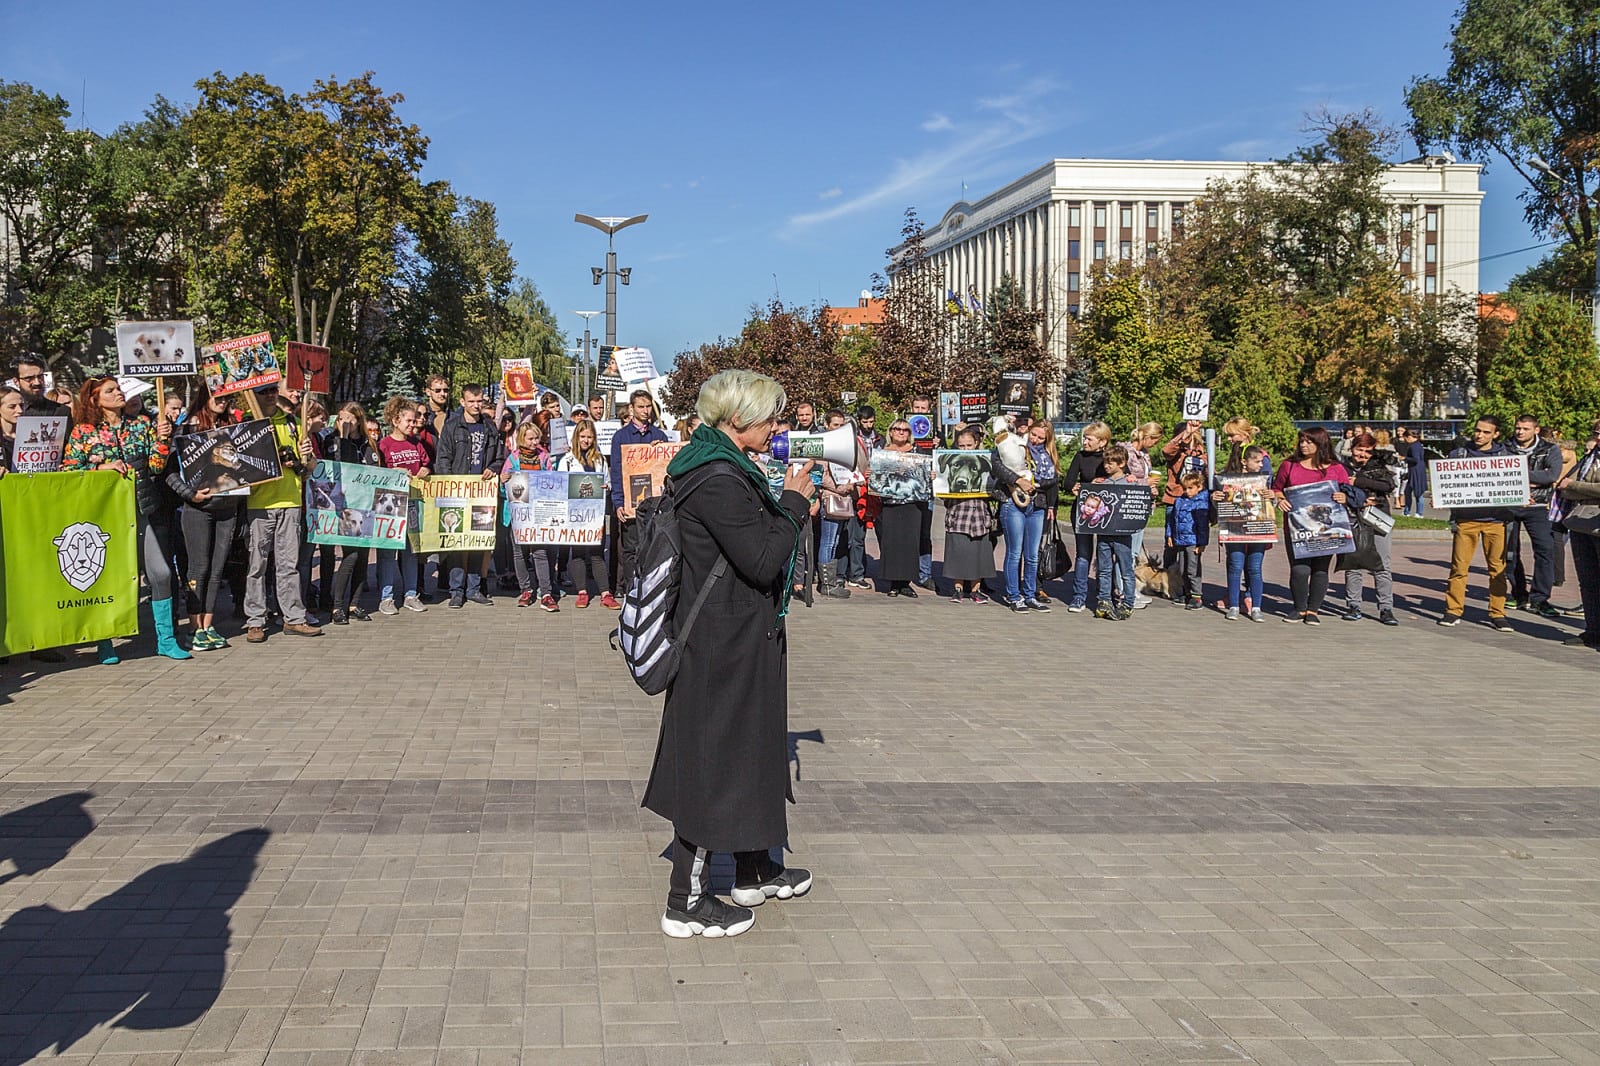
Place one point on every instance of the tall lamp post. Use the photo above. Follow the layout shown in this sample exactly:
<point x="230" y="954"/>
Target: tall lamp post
<point x="575" y="376"/>
<point x="1594" y="297"/>
<point x="588" y="363"/>
<point x="609" y="225"/>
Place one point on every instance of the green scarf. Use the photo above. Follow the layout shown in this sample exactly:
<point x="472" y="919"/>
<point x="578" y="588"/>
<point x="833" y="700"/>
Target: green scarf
<point x="708" y="445"/>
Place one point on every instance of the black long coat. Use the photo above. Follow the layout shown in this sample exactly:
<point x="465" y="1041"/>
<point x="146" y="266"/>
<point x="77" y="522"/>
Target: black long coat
<point x="721" y="772"/>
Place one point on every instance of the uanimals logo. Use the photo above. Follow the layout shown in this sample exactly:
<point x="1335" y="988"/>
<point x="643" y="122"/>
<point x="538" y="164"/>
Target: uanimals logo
<point x="81" y="554"/>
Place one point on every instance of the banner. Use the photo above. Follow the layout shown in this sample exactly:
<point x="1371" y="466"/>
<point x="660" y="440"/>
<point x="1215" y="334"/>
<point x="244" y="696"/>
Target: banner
<point x="1016" y="391"/>
<point x="961" y="474"/>
<point x="557" y="507"/>
<point x="39" y="443"/>
<point x="155" y="349"/>
<point x="604" y="430"/>
<point x="901" y="477"/>
<point x="310" y="367"/>
<point x="1246" y="513"/>
<point x="229" y="459"/>
<point x="69" y="559"/>
<point x="644" y="470"/>
<point x="949" y="408"/>
<point x="517" y="384"/>
<point x="1316" y="525"/>
<point x="635" y="364"/>
<point x="608" y="376"/>
<point x="453" y="513"/>
<point x="1479" y="481"/>
<point x="974" y="406"/>
<point x="1116" y="509"/>
<point x="239" y="364"/>
<point x="357" y="505"/>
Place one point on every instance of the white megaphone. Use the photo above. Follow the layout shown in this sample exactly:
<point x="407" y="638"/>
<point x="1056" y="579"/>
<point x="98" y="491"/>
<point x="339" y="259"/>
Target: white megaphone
<point x="835" y="446"/>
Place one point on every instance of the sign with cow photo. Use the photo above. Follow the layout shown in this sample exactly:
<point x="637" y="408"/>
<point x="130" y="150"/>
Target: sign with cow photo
<point x="229" y="459"/>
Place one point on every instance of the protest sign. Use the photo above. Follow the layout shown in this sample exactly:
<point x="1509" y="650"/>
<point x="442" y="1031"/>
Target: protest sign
<point x="39" y="442"/>
<point x="960" y="474"/>
<point x="635" y="364"/>
<point x="310" y="367"/>
<point x="1316" y="525"/>
<point x="1112" y="508"/>
<point x="517" y="384"/>
<point x="357" y="505"/>
<point x="974" y="406"/>
<point x="1246" y="513"/>
<point x="69" y="550"/>
<point x="847" y="398"/>
<point x="1016" y="391"/>
<point x="644" y="470"/>
<point x="560" y="436"/>
<point x="921" y="427"/>
<point x="604" y="430"/>
<point x="155" y="349"/>
<point x="453" y="513"/>
<point x="240" y="363"/>
<point x="901" y="477"/>
<point x="1197" y="404"/>
<point x="556" y="507"/>
<point x="229" y="459"/>
<point x="1479" y="481"/>
<point x="609" y="377"/>
<point x="949" y="408"/>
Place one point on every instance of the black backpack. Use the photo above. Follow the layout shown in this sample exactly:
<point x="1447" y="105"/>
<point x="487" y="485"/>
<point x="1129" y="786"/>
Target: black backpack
<point x="645" y="634"/>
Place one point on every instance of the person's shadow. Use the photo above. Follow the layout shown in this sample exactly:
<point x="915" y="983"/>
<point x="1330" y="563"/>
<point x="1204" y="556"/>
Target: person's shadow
<point x="814" y="735"/>
<point x="151" y="955"/>
<point x="37" y="837"/>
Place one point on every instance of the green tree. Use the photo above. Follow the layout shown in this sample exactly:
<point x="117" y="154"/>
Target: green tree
<point x="1012" y="337"/>
<point x="1546" y="367"/>
<point x="914" y="340"/>
<point x="1246" y="385"/>
<point x="798" y="346"/>
<point x="1142" y="361"/>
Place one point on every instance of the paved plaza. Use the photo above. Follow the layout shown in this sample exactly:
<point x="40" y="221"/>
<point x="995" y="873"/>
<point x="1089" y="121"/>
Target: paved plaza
<point x="1040" y="839"/>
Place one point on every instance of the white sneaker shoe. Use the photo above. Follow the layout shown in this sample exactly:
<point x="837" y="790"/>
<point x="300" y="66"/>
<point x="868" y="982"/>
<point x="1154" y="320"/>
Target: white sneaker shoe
<point x="1141" y="601"/>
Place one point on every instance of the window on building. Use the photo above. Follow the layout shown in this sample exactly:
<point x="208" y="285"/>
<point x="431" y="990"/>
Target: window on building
<point x="1127" y="217"/>
<point x="1408" y="284"/>
<point x="1405" y="218"/>
<point x="1405" y="253"/>
<point x="1072" y="281"/>
<point x="1430" y="254"/>
<point x="1177" y="220"/>
<point x="1074" y="248"/>
<point x="1125" y="249"/>
<point x="1072" y="309"/>
<point x="1099" y="249"/>
<point x="1430" y="285"/>
<point x="1152" y="217"/>
<point x="1150" y="249"/>
<point x="1100" y="216"/>
<point x="1433" y="221"/>
<point x="1074" y="216"/>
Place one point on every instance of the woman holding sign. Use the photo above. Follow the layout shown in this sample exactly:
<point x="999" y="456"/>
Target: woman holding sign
<point x="136" y="448"/>
<point x="585" y="564"/>
<point x="348" y="444"/>
<point x="528" y="452"/>
<point x="10" y="411"/>
<point x="208" y="522"/>
<point x="899" y="526"/>
<point x="1313" y="462"/>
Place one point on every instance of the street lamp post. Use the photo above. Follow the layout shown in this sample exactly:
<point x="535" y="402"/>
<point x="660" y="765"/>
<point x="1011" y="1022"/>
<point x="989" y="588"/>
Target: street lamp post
<point x="1594" y="296"/>
<point x="588" y="363"/>
<point x="609" y="225"/>
<point x="575" y="376"/>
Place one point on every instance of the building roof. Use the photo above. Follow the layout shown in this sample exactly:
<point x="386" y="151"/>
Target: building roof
<point x="867" y="312"/>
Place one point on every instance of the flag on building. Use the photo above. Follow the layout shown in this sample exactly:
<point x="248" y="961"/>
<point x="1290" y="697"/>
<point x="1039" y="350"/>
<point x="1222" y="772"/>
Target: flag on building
<point x="69" y="559"/>
<point x="973" y="301"/>
<point x="952" y="303"/>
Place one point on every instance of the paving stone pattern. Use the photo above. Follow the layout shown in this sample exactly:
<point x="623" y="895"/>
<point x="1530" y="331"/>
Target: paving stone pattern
<point x="1041" y="839"/>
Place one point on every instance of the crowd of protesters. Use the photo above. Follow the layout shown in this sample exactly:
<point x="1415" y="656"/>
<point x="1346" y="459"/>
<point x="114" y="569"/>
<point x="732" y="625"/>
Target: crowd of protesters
<point x="194" y="543"/>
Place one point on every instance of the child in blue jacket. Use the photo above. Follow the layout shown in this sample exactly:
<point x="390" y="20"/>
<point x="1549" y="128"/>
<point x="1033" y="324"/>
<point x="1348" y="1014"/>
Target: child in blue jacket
<point x="1188" y="533"/>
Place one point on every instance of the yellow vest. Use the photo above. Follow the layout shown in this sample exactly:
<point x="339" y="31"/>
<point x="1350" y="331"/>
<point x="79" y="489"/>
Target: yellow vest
<point x="287" y="491"/>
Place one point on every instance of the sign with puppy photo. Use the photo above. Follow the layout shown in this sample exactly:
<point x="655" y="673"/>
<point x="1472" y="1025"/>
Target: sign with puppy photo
<point x="357" y="505"/>
<point x="155" y="349"/>
<point x="1315" y="523"/>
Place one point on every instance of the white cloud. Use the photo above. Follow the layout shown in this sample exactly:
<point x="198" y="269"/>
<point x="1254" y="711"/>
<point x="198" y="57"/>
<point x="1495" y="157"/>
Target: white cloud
<point x="938" y="123"/>
<point x="830" y="194"/>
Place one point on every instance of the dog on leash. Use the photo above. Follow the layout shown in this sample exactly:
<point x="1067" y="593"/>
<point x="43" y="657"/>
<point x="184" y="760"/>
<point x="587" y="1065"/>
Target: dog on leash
<point x="1152" y="582"/>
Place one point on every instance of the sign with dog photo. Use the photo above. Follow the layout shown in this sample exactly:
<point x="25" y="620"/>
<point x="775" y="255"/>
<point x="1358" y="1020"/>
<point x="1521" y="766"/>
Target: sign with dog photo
<point x="240" y="363"/>
<point x="453" y="513"/>
<point x="901" y="477"/>
<point x="1315" y="524"/>
<point x="1246" y="513"/>
<point x="357" y="505"/>
<point x="155" y="349"/>
<point x="961" y="474"/>
<point x="229" y="459"/>
<point x="557" y="507"/>
<point x="1116" y="509"/>
<point x="1016" y="391"/>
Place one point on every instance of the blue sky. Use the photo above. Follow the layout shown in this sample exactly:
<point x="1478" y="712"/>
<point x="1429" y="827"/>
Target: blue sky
<point x="773" y="148"/>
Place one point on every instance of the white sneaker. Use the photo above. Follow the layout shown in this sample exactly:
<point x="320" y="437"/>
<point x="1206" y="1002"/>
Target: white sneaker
<point x="1075" y="608"/>
<point x="388" y="607"/>
<point x="414" y="603"/>
<point x="1141" y="601"/>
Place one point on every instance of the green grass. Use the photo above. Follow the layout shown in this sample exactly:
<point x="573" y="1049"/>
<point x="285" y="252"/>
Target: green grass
<point x="1158" y="519"/>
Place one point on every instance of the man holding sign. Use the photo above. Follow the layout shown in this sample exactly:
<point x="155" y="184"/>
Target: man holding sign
<point x="1472" y="524"/>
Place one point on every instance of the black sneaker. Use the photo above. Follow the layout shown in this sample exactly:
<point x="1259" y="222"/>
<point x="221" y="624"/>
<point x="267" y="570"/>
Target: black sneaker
<point x="1388" y="618"/>
<point x="1544" y="610"/>
<point x="926" y="584"/>
<point x="480" y="599"/>
<point x="1582" y="639"/>
<point x="1035" y="605"/>
<point x="1500" y="625"/>
<point x="1449" y="620"/>
<point x="786" y="883"/>
<point x="341" y="617"/>
<point x="458" y="600"/>
<point x="709" y="918"/>
<point x="1352" y="615"/>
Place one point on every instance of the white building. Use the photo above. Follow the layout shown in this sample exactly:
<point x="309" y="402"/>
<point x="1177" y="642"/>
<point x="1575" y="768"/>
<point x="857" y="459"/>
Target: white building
<point x="1048" y="228"/>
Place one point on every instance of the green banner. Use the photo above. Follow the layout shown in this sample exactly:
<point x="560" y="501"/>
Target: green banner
<point x="69" y="559"/>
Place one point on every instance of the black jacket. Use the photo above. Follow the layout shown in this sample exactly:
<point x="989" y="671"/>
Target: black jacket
<point x="454" y="451"/>
<point x="220" y="506"/>
<point x="721" y="771"/>
<point x="1544" y="470"/>
<point x="1084" y="468"/>
<point x="1374" y="479"/>
<point x="1481" y="514"/>
<point x="47" y="408"/>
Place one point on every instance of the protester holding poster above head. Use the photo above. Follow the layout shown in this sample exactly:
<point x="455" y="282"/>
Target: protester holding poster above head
<point x="639" y="429"/>
<point x="30" y="375"/>
<point x="1482" y="521"/>
<point x="586" y="563"/>
<point x="1313" y="463"/>
<point x="208" y="520"/>
<point x="156" y="349"/>
<point x="102" y="439"/>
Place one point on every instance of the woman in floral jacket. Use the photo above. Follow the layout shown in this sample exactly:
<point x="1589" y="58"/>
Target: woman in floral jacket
<point x="103" y="439"/>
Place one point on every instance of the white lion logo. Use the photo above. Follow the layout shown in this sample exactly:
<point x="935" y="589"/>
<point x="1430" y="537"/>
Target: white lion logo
<point x="81" y="552"/>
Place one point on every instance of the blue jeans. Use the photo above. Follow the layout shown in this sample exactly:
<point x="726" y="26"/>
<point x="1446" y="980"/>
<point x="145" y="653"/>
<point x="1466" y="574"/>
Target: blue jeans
<point x="1244" y="561"/>
<point x="397" y="573"/>
<point x="1082" y="560"/>
<point x="1023" y="530"/>
<point x="1116" y="550"/>
<point x="829" y="545"/>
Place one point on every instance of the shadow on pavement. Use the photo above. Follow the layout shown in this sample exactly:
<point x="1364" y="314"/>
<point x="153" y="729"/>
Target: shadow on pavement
<point x="37" y="837"/>
<point x="151" y="955"/>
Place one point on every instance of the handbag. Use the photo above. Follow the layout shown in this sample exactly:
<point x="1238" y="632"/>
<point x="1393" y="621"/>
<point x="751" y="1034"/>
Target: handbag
<point x="837" y="507"/>
<point x="1054" y="559"/>
<point x="1583" y="518"/>
<point x="1365" y="556"/>
<point x="1379" y="519"/>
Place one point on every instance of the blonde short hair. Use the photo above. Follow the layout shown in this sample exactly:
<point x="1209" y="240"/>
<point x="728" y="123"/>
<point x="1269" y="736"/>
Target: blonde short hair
<point x="1097" y="430"/>
<point x="1242" y="426"/>
<point x="741" y="398"/>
